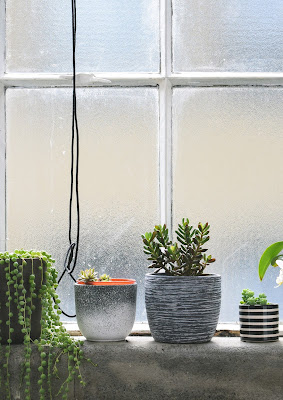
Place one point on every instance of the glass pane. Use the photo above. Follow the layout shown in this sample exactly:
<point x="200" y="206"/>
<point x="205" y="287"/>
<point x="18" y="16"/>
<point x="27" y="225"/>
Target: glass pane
<point x="227" y="170"/>
<point x="227" y="35"/>
<point x="111" y="36"/>
<point x="118" y="177"/>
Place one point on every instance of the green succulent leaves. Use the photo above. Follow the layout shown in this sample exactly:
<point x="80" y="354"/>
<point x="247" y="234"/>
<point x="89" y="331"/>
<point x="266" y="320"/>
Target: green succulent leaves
<point x="104" y="278"/>
<point x="54" y="337"/>
<point x="249" y="299"/>
<point x="269" y="257"/>
<point x="90" y="275"/>
<point x="184" y="258"/>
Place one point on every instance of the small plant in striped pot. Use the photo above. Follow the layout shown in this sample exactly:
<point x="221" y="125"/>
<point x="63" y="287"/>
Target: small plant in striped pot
<point x="258" y="319"/>
<point x="182" y="302"/>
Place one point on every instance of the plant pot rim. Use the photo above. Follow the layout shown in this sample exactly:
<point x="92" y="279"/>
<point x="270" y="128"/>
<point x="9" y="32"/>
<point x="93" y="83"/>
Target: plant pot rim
<point x="163" y="275"/>
<point x="27" y="258"/>
<point x="259" y="305"/>
<point x="112" y="282"/>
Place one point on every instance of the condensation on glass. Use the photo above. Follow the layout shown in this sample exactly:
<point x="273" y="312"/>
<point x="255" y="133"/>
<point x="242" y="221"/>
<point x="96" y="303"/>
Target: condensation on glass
<point x="227" y="35"/>
<point x="118" y="178"/>
<point x="112" y="36"/>
<point x="227" y="170"/>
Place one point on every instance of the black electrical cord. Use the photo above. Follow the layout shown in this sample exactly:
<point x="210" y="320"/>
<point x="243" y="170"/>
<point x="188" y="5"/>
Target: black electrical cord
<point x="72" y="253"/>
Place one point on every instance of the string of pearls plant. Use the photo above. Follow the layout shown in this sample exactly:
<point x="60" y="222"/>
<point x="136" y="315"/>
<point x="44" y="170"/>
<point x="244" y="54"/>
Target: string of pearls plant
<point x="30" y="293"/>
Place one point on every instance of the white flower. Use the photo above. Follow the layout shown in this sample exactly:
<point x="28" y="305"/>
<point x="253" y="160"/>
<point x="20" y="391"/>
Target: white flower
<point x="279" y="279"/>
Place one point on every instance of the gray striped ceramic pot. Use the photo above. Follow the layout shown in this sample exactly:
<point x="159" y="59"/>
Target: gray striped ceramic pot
<point x="182" y="309"/>
<point x="259" y="323"/>
<point x="106" y="312"/>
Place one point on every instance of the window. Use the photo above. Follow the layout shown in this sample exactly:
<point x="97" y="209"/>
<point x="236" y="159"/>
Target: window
<point x="185" y="122"/>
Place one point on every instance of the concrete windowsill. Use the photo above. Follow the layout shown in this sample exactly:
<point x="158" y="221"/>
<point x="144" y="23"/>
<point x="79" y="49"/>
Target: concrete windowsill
<point x="142" y="369"/>
<point x="223" y="369"/>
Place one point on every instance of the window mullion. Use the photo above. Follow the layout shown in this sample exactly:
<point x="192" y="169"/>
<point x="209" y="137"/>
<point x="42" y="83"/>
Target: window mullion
<point x="227" y="79"/>
<point x="165" y="94"/>
<point x="82" y="80"/>
<point x="165" y="153"/>
<point x="2" y="133"/>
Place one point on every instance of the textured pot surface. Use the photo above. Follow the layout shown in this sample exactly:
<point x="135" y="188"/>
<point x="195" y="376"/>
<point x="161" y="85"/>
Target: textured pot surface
<point x="259" y="323"/>
<point x="182" y="309"/>
<point x="17" y="336"/>
<point x="105" y="312"/>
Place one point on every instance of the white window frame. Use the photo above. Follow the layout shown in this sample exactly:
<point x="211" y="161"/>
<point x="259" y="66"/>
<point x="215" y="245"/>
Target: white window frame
<point x="166" y="80"/>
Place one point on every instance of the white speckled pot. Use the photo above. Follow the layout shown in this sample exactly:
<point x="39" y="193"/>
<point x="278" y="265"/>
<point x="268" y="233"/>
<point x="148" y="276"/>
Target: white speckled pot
<point x="182" y="309"/>
<point x="106" y="312"/>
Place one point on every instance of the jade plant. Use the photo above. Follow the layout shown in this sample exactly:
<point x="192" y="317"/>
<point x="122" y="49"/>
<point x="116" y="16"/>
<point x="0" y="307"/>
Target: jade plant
<point x="249" y="299"/>
<point x="90" y="275"/>
<point x="186" y="257"/>
<point x="31" y="279"/>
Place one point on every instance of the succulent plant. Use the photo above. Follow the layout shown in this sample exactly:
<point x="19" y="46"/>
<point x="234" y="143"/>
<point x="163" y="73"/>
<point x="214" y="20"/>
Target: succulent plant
<point x="249" y="299"/>
<point x="88" y="275"/>
<point x="21" y="295"/>
<point x="185" y="258"/>
<point x="104" y="278"/>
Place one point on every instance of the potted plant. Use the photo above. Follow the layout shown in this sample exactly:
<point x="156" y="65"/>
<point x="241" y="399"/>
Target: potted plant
<point x="258" y="319"/>
<point x="272" y="257"/>
<point x="182" y="302"/>
<point x="30" y="314"/>
<point x="105" y="307"/>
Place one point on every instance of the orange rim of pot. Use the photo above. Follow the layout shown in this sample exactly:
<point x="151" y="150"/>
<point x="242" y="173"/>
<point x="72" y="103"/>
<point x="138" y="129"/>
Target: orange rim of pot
<point x="112" y="282"/>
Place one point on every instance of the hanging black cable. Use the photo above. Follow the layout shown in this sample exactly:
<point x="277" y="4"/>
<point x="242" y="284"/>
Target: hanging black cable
<point x="72" y="253"/>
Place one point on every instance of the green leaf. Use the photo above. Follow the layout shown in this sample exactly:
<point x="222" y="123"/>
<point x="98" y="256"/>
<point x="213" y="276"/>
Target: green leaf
<point x="182" y="241"/>
<point x="269" y="254"/>
<point x="148" y="236"/>
<point x="153" y="236"/>
<point x="275" y="259"/>
<point x="181" y="234"/>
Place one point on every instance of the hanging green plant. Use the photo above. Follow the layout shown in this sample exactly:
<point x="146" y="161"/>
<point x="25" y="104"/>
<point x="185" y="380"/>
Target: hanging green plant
<point x="29" y="313"/>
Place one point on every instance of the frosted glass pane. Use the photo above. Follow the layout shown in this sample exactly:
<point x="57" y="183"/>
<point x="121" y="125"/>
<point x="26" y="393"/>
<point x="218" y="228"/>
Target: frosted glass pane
<point x="227" y="35"/>
<point x="112" y="36"/>
<point x="118" y="177"/>
<point x="227" y="170"/>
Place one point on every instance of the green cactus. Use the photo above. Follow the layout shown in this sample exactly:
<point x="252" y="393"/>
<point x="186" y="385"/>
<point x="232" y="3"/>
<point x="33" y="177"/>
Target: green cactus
<point x="185" y="258"/>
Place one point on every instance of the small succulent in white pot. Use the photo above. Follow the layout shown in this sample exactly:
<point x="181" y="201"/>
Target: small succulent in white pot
<point x="105" y="306"/>
<point x="182" y="302"/>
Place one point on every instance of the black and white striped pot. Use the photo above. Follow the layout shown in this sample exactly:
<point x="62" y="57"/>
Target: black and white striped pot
<point x="182" y="309"/>
<point x="259" y="323"/>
